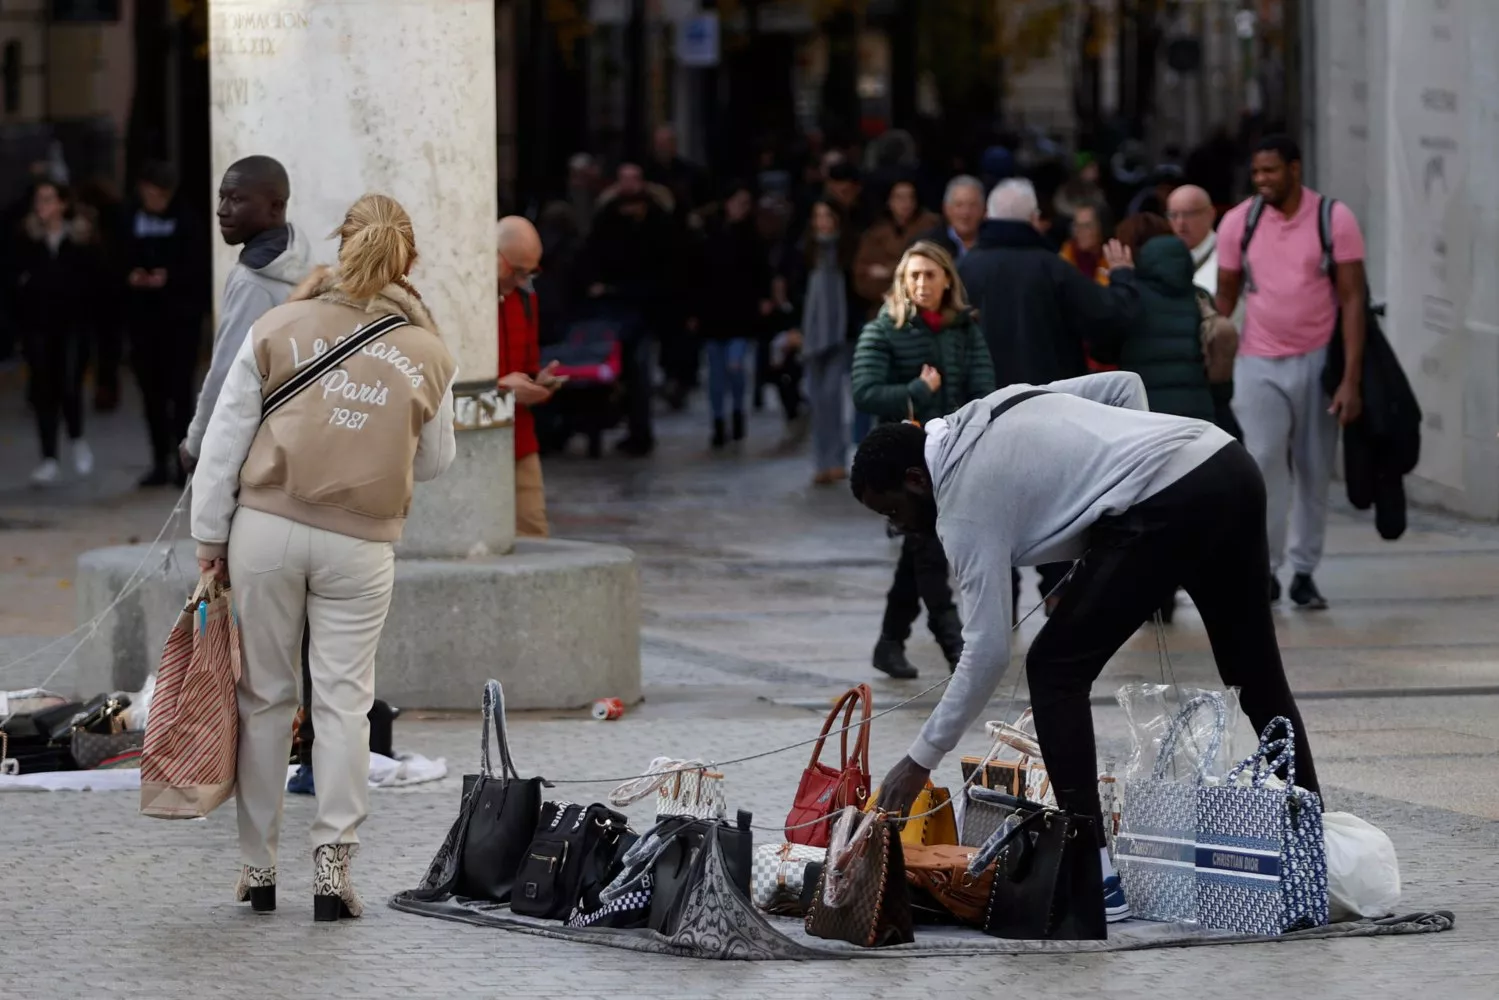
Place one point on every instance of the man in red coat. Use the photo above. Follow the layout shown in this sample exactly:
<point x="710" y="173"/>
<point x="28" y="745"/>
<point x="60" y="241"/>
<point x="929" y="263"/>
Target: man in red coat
<point x="520" y="356"/>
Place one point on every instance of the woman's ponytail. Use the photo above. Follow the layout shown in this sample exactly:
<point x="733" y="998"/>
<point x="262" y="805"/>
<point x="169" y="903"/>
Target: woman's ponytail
<point x="376" y="246"/>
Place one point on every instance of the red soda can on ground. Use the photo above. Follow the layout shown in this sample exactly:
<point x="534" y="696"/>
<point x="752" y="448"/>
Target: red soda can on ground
<point x="608" y="709"/>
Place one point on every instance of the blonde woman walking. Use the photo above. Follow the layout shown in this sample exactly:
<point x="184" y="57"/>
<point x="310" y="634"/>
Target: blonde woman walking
<point x="336" y="402"/>
<point x="922" y="357"/>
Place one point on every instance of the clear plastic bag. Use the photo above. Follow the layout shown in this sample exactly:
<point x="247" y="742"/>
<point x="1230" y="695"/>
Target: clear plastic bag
<point x="1178" y="738"/>
<point x="1149" y="710"/>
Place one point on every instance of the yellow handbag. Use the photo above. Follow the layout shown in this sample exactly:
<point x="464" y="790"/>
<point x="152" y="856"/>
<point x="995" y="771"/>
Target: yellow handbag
<point x="941" y="827"/>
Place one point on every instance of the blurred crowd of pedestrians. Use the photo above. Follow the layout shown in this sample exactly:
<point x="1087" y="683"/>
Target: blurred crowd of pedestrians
<point x="849" y="284"/>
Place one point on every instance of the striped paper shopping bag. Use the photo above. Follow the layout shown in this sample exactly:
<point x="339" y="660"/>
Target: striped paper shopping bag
<point x="192" y="730"/>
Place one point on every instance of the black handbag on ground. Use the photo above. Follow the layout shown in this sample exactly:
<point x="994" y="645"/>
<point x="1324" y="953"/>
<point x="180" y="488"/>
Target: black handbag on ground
<point x="502" y="816"/>
<point x="1049" y="882"/>
<point x="573" y="856"/>
<point x="676" y="867"/>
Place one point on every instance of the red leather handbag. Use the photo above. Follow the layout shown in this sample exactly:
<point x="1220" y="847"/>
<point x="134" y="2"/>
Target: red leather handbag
<point x="825" y="791"/>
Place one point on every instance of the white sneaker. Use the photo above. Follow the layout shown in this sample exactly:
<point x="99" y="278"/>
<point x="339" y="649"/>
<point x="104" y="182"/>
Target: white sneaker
<point x="83" y="458"/>
<point x="46" y="473"/>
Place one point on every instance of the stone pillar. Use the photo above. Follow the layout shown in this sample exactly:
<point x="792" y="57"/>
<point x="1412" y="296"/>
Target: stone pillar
<point x="394" y="96"/>
<point x="398" y="96"/>
<point x="1407" y="120"/>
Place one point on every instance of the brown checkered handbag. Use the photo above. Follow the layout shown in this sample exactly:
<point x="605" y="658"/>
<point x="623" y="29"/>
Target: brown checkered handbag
<point x="861" y="894"/>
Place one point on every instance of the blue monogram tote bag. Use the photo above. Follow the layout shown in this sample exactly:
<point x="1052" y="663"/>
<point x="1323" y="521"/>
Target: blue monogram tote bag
<point x="1261" y="859"/>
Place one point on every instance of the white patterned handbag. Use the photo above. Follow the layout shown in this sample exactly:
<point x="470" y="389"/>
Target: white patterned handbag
<point x="1156" y="849"/>
<point x="778" y="875"/>
<point x="682" y="788"/>
<point x="1261" y="857"/>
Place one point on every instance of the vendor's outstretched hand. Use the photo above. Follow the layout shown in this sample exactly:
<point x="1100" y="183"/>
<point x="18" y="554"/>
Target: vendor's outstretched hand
<point x="901" y="786"/>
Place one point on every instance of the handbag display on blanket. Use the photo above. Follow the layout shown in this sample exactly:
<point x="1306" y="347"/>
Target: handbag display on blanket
<point x="682" y="788"/>
<point x="779" y="876"/>
<point x="191" y="748"/>
<point x="505" y="810"/>
<point x="1156" y="850"/>
<point x="574" y="855"/>
<point x="1261" y="858"/>
<point x="939" y="873"/>
<point x="861" y="895"/>
<point x="823" y="790"/>
<point x="934" y="821"/>
<point x="1048" y="882"/>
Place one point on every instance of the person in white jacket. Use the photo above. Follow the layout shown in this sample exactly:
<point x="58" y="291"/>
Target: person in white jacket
<point x="306" y="498"/>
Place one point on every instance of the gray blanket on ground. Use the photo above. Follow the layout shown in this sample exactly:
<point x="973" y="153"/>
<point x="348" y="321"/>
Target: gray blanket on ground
<point x="717" y="923"/>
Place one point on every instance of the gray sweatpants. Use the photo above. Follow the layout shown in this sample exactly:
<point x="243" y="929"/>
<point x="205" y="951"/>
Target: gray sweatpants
<point x="1283" y="410"/>
<point x="826" y="393"/>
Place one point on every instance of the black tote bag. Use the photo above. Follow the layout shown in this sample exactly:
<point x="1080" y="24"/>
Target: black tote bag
<point x="503" y="811"/>
<point x="1049" y="882"/>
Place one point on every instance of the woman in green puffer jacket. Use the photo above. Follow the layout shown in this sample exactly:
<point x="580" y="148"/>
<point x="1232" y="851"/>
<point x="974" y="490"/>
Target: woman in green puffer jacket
<point x="922" y="357"/>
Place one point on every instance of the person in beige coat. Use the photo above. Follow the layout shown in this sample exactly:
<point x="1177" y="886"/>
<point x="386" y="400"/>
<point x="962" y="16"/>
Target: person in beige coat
<point x="300" y="509"/>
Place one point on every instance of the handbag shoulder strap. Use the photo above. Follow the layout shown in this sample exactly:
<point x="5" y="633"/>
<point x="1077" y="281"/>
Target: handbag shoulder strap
<point x="327" y="361"/>
<point x="494" y="712"/>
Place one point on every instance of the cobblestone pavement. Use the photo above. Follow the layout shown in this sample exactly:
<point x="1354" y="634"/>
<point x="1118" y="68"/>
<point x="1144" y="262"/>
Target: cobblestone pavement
<point x="762" y="597"/>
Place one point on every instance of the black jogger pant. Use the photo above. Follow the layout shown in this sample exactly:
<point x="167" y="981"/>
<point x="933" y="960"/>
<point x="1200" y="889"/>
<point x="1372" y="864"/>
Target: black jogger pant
<point x="920" y="578"/>
<point x="165" y="358"/>
<point x="56" y="360"/>
<point x="1206" y="533"/>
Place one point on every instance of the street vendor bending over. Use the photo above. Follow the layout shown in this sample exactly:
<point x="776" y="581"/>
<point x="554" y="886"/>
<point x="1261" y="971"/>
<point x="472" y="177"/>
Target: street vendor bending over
<point x="1080" y="469"/>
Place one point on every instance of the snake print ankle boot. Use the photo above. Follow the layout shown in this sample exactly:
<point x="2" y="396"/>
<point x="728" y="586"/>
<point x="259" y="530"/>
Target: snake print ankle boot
<point x="333" y="894"/>
<point x="257" y="886"/>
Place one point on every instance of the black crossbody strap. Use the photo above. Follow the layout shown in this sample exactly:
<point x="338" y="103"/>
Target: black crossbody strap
<point x="1004" y="405"/>
<point x="329" y="360"/>
<point x="1251" y="223"/>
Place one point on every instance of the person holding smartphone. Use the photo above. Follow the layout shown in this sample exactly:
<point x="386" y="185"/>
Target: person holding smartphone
<point x="519" y="249"/>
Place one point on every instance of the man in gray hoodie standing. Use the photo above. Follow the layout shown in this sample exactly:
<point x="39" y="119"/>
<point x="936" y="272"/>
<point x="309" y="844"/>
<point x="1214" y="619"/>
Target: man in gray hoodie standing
<point x="1080" y="469"/>
<point x="252" y="215"/>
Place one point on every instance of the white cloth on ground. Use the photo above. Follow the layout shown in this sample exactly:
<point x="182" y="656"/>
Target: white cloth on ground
<point x="385" y="772"/>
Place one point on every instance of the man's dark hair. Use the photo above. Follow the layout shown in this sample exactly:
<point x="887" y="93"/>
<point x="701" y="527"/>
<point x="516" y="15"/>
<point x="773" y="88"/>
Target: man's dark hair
<point x="1282" y="144"/>
<point x="159" y="173"/>
<point x="265" y="173"/>
<point x="884" y="456"/>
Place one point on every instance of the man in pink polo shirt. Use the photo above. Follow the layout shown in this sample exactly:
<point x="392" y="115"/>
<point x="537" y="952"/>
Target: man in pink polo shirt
<point x="1293" y="307"/>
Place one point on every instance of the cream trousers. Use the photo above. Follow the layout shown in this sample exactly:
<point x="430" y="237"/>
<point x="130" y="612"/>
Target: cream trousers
<point x="285" y="574"/>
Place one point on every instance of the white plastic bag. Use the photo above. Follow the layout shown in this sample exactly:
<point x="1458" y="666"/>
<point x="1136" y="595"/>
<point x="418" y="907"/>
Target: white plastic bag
<point x="1363" y="875"/>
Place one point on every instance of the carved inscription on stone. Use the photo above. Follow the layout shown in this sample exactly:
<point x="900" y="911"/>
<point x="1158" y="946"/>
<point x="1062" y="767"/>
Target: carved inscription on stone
<point x="253" y="32"/>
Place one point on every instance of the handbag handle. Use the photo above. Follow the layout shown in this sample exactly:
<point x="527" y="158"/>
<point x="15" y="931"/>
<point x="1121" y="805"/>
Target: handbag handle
<point x="655" y="776"/>
<point x="1261" y="762"/>
<point x="494" y="711"/>
<point x="1173" y="734"/>
<point x="1003" y="837"/>
<point x="846" y="704"/>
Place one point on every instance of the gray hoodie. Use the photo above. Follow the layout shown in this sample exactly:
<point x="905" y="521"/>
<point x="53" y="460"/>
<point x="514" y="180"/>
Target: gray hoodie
<point x="1023" y="490"/>
<point x="253" y="288"/>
